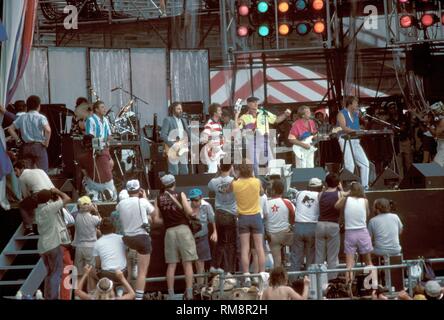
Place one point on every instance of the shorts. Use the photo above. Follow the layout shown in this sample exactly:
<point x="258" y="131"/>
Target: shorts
<point x="357" y="240"/>
<point x="251" y="223"/>
<point x="141" y="243"/>
<point x="84" y="256"/>
<point x="180" y="245"/>
<point x="203" y="248"/>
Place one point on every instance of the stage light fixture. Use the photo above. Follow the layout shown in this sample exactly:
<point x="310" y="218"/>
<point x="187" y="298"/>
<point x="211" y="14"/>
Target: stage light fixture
<point x="243" y="10"/>
<point x="406" y="21"/>
<point x="283" y="6"/>
<point x="428" y="19"/>
<point x="319" y="26"/>
<point x="300" y="5"/>
<point x="284" y="29"/>
<point x="264" y="30"/>
<point x="403" y="1"/>
<point x="262" y="6"/>
<point x="242" y="31"/>
<point x="317" y="5"/>
<point x="303" y="28"/>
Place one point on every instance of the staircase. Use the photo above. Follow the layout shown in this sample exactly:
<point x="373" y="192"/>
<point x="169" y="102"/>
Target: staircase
<point x="21" y="267"/>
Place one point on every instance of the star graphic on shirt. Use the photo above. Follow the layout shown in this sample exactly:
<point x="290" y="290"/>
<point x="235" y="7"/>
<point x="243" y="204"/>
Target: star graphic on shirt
<point x="274" y="208"/>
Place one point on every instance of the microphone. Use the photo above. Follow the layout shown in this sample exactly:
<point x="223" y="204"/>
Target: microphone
<point x="114" y="89"/>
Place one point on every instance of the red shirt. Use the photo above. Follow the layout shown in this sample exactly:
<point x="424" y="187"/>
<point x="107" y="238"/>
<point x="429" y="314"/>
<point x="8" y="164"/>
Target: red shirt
<point x="299" y="127"/>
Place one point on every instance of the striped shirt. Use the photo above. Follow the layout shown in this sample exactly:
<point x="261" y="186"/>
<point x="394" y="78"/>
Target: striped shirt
<point x="31" y="126"/>
<point x="214" y="130"/>
<point x="97" y="127"/>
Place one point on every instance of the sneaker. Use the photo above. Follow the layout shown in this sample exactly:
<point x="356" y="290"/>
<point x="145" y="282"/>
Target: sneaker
<point x="216" y="270"/>
<point x="247" y="280"/>
<point x="28" y="232"/>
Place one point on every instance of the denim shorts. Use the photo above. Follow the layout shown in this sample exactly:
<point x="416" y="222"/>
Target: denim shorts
<point x="203" y="248"/>
<point x="141" y="243"/>
<point x="251" y="223"/>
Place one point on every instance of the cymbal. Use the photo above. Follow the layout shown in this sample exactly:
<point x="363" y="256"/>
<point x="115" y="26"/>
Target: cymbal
<point x="83" y="110"/>
<point x="125" y="108"/>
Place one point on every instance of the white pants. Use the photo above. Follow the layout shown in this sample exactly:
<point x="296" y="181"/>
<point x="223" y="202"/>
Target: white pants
<point x="93" y="188"/>
<point x="305" y="162"/>
<point x="439" y="158"/>
<point x="360" y="158"/>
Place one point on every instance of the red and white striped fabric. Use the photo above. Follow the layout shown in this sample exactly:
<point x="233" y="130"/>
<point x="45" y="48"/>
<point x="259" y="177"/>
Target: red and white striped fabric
<point x="213" y="129"/>
<point x="251" y="83"/>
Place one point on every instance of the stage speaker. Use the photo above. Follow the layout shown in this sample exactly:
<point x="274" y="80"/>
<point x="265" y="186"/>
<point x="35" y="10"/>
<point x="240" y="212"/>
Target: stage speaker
<point x="197" y="180"/>
<point x="423" y="175"/>
<point x="301" y="176"/>
<point x="388" y="179"/>
<point x="347" y="178"/>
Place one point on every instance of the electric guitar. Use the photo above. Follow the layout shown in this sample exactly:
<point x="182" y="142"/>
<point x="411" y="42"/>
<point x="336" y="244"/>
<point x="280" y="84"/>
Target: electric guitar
<point x="312" y="141"/>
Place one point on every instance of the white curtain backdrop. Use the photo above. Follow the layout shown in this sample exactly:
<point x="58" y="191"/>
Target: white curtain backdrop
<point x="35" y="78"/>
<point x="111" y="69"/>
<point x="67" y="75"/>
<point x="190" y="76"/>
<point x="149" y="73"/>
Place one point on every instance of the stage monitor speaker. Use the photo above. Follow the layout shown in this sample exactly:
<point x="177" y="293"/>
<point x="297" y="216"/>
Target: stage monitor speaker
<point x="388" y="179"/>
<point x="301" y="176"/>
<point x="423" y="175"/>
<point x="347" y="178"/>
<point x="197" y="180"/>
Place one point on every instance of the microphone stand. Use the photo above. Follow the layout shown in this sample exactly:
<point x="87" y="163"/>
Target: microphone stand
<point x="383" y="122"/>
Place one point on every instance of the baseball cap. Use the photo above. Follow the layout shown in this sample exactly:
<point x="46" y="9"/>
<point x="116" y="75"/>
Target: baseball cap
<point x="123" y="195"/>
<point x="315" y="182"/>
<point x="433" y="289"/>
<point x="252" y="99"/>
<point x="195" y="193"/>
<point x="84" y="200"/>
<point x="133" y="185"/>
<point x="168" y="179"/>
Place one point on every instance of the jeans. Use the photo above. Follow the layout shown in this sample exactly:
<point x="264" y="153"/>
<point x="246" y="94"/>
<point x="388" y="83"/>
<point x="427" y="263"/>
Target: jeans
<point x="177" y="169"/>
<point x="328" y="241"/>
<point x="38" y="151"/>
<point x="225" y="255"/>
<point x="53" y="260"/>
<point x="303" y="245"/>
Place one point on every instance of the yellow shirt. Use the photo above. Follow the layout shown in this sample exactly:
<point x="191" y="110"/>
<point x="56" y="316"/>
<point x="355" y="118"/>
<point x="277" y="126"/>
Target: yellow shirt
<point x="259" y="122"/>
<point x="247" y="194"/>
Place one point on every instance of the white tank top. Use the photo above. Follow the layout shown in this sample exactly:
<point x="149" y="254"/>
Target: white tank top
<point x="355" y="214"/>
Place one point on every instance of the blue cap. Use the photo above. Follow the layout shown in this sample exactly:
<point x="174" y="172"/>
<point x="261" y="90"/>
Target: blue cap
<point x="195" y="193"/>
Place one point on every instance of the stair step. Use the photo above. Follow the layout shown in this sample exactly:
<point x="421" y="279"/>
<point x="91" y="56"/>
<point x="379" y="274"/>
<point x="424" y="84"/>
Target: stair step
<point x="20" y="267"/>
<point x="12" y="282"/>
<point x="35" y="237"/>
<point x="21" y="252"/>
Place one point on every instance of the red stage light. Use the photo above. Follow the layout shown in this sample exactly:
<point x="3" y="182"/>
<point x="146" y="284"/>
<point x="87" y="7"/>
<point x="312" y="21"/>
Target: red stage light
<point x="428" y="19"/>
<point x="318" y="4"/>
<point x="243" y="10"/>
<point x="406" y="21"/>
<point x="242" y="31"/>
<point x="319" y="26"/>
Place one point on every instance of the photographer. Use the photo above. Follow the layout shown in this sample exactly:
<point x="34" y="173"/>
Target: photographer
<point x="134" y="217"/>
<point x="53" y="235"/>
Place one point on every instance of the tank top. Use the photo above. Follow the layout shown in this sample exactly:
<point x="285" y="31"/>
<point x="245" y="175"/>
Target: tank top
<point x="355" y="214"/>
<point x="171" y="214"/>
<point x="351" y="123"/>
<point x="327" y="210"/>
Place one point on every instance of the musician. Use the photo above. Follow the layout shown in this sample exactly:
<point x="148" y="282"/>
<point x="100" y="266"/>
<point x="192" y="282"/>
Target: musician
<point x="439" y="134"/>
<point x="258" y="121"/>
<point x="97" y="172"/>
<point x="97" y="124"/>
<point x="175" y="132"/>
<point x="301" y="132"/>
<point x="82" y="115"/>
<point x="348" y="120"/>
<point x="35" y="132"/>
<point x="212" y="135"/>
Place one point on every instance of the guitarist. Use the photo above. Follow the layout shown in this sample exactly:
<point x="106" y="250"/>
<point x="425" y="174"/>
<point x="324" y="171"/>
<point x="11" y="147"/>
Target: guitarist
<point x="175" y="130"/>
<point x="302" y="131"/>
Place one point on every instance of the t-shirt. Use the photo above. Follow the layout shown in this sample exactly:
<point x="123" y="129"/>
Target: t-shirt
<point x="134" y="212"/>
<point x="103" y="172"/>
<point x="385" y="229"/>
<point x="225" y="200"/>
<point x="112" y="252"/>
<point x="279" y="216"/>
<point x="355" y="213"/>
<point x="51" y="226"/>
<point x="307" y="206"/>
<point x="206" y="215"/>
<point x="247" y="194"/>
<point x="86" y="234"/>
<point x="213" y="130"/>
<point x="301" y="131"/>
<point x="260" y="123"/>
<point x="33" y="181"/>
